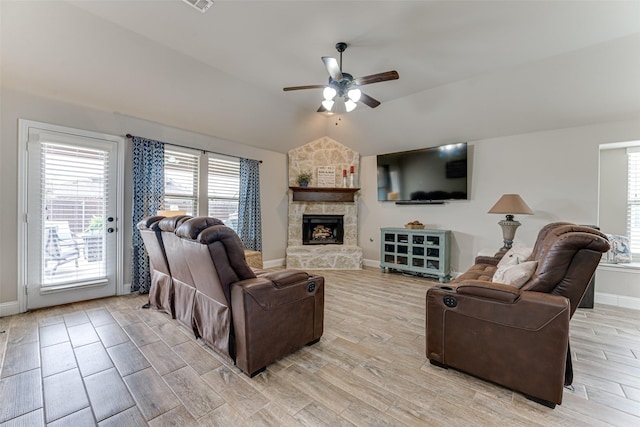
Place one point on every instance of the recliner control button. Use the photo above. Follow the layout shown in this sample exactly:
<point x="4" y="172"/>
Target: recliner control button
<point x="311" y="287"/>
<point x="450" y="301"/>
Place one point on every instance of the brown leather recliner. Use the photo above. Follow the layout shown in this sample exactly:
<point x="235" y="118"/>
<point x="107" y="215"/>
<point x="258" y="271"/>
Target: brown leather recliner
<point x="250" y="320"/>
<point x="518" y="338"/>
<point x="161" y="290"/>
<point x="183" y="287"/>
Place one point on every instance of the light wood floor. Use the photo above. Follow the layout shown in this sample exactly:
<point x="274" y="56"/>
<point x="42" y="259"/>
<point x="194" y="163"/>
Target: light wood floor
<point x="111" y="363"/>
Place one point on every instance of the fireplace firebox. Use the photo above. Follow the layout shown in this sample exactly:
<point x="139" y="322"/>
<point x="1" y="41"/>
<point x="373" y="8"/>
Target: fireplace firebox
<point x="322" y="229"/>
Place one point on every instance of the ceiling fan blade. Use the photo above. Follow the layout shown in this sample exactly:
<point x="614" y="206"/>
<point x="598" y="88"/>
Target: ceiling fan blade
<point x="333" y="68"/>
<point x="377" y="78"/>
<point x="303" y="87"/>
<point x="367" y="100"/>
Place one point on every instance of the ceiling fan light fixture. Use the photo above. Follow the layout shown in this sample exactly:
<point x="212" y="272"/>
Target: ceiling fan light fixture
<point x="327" y="104"/>
<point x="350" y="105"/>
<point x="342" y="92"/>
<point x="354" y="94"/>
<point x="329" y="93"/>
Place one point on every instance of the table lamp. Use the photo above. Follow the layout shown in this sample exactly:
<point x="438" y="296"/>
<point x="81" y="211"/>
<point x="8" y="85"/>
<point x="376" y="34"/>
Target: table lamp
<point x="510" y="204"/>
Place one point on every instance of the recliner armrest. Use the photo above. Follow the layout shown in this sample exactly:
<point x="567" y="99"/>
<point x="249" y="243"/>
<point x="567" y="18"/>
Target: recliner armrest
<point x="489" y="260"/>
<point x="492" y="302"/>
<point x="489" y="290"/>
<point x="268" y="294"/>
<point x="284" y="278"/>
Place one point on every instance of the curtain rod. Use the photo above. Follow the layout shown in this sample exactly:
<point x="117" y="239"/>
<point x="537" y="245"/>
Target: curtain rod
<point x="198" y="149"/>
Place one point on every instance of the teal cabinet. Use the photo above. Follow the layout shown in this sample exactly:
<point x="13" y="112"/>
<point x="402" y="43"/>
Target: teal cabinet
<point x="420" y="252"/>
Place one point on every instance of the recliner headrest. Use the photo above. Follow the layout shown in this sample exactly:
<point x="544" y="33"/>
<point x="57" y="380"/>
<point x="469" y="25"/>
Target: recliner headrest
<point x="222" y="235"/>
<point x="150" y="222"/>
<point x="171" y="223"/>
<point x="193" y="227"/>
<point x="557" y="252"/>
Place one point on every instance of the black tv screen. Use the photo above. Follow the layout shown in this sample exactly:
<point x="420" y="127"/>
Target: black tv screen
<point x="428" y="174"/>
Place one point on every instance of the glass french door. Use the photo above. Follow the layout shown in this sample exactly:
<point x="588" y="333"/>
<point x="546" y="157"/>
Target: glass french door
<point x="71" y="244"/>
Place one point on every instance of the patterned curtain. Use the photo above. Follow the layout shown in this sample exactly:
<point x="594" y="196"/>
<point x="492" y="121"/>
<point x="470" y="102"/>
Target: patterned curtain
<point x="148" y="197"/>
<point x="249" y="217"/>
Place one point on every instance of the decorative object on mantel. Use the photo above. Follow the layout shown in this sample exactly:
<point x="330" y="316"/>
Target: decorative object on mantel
<point x="510" y="204"/>
<point x="304" y="178"/>
<point x="326" y="176"/>
<point x="414" y="225"/>
<point x="352" y="174"/>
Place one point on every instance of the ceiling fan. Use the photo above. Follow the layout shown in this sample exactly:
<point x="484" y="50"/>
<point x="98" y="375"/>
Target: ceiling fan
<point x="344" y="86"/>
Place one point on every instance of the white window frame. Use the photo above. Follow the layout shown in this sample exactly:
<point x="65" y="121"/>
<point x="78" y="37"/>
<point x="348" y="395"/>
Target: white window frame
<point x="202" y="197"/>
<point x="198" y="193"/>
<point x="222" y="157"/>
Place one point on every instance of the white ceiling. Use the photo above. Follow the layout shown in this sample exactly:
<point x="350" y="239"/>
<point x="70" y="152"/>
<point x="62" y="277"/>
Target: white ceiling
<point x="468" y="69"/>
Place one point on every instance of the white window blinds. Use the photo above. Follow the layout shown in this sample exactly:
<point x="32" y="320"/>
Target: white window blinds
<point x="181" y="180"/>
<point x="74" y="193"/>
<point x="633" y="199"/>
<point x="223" y="185"/>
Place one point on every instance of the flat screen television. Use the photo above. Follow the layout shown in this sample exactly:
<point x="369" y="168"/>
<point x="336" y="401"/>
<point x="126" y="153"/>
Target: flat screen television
<point x="422" y="176"/>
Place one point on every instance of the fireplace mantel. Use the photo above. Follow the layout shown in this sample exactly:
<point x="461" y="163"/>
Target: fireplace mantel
<point x="323" y="194"/>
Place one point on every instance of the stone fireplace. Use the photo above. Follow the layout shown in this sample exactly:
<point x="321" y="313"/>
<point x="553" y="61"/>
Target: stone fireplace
<point x="327" y="254"/>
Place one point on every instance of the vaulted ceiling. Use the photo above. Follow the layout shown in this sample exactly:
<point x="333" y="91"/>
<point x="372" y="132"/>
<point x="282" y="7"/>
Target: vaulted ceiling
<point x="468" y="69"/>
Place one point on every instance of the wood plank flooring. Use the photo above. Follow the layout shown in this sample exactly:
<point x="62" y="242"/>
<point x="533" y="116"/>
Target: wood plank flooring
<point x="110" y="363"/>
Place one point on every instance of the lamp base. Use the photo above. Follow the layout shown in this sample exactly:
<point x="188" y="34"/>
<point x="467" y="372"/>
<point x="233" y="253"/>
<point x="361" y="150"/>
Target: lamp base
<point x="509" y="227"/>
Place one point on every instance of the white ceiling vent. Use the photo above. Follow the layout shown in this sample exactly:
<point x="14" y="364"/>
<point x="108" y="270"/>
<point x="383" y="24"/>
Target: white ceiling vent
<point x="201" y="5"/>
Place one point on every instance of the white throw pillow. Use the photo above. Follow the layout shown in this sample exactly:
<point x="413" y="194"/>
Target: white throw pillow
<point x="515" y="255"/>
<point x="515" y="275"/>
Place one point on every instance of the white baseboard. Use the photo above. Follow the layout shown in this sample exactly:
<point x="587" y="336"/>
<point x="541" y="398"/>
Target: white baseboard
<point x="371" y="263"/>
<point x="126" y="289"/>
<point x="9" y="308"/>
<point x="617" y="300"/>
<point x="274" y="263"/>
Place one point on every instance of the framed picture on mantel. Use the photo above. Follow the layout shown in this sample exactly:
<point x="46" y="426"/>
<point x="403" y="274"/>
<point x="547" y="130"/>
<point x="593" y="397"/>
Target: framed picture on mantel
<point x="326" y="176"/>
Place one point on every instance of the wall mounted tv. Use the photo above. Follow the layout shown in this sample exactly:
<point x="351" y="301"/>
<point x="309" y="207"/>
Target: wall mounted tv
<point x="428" y="175"/>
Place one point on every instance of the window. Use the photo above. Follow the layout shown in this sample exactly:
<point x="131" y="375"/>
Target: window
<point x="215" y="193"/>
<point x="181" y="180"/>
<point x="633" y="199"/>
<point x="223" y="185"/>
<point x="74" y="194"/>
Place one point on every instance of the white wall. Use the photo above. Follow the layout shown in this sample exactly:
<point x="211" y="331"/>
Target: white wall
<point x="556" y="173"/>
<point x="15" y="105"/>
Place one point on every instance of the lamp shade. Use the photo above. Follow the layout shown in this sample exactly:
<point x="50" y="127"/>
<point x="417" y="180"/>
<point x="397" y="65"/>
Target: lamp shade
<point x="350" y="105"/>
<point x="511" y="204"/>
<point x="327" y="104"/>
<point x="354" y="94"/>
<point x="329" y="93"/>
